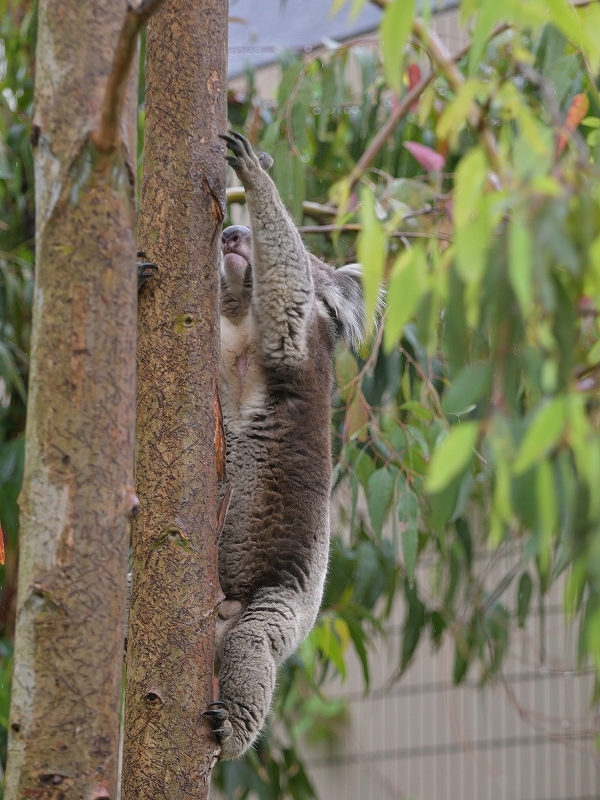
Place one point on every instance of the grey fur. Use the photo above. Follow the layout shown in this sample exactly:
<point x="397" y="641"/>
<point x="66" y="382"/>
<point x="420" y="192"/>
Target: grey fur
<point x="281" y="317"/>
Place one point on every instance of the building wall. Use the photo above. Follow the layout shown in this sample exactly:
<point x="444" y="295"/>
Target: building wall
<point x="530" y="735"/>
<point x="445" y="24"/>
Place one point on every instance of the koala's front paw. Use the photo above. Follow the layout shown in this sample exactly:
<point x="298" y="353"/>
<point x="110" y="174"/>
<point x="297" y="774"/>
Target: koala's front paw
<point x="245" y="161"/>
<point x="217" y="715"/>
<point x="145" y="269"/>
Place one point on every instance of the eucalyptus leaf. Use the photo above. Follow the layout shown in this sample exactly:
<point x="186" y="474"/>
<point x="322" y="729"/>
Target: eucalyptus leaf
<point x="451" y="456"/>
<point x="543" y="434"/>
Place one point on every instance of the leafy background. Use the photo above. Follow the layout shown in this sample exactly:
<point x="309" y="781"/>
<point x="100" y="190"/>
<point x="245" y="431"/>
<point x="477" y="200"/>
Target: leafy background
<point x="469" y="421"/>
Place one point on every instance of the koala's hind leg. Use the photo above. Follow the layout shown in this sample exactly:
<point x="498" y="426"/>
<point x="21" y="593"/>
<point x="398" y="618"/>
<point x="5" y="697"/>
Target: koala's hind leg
<point x="267" y="633"/>
<point x="230" y="612"/>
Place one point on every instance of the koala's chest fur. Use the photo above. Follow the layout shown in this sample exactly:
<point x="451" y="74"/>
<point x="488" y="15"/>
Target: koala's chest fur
<point x="243" y="389"/>
<point x="278" y="462"/>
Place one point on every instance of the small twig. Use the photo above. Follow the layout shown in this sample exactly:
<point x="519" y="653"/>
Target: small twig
<point x="447" y="65"/>
<point x="369" y="363"/>
<point x="107" y="137"/>
<point x="302" y="74"/>
<point x="380" y="138"/>
<point x="237" y="194"/>
<point x="357" y="227"/>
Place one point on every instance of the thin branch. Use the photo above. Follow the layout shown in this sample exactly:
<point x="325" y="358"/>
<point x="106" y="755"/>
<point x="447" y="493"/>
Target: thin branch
<point x="107" y="137"/>
<point x="447" y="64"/>
<point x="357" y="227"/>
<point x="387" y="128"/>
<point x="237" y="194"/>
<point x="409" y="98"/>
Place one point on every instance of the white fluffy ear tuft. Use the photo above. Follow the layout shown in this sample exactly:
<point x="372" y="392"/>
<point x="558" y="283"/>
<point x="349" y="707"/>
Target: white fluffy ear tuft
<point x="345" y="298"/>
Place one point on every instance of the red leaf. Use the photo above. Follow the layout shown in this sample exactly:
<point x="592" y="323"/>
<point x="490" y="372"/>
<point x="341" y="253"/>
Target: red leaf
<point x="579" y="107"/>
<point x="414" y="76"/>
<point x="427" y="158"/>
<point x="2" y="554"/>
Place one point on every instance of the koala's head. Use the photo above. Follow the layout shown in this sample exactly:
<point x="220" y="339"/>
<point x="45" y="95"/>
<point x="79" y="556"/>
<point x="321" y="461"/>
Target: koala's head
<point x="236" y="271"/>
<point x="338" y="292"/>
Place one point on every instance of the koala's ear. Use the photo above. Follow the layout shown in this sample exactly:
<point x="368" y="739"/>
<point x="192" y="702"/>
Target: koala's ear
<point x="346" y="300"/>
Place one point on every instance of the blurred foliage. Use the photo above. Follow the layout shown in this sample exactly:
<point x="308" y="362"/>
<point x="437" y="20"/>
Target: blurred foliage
<point x="470" y="425"/>
<point x="17" y="48"/>
<point x="471" y="420"/>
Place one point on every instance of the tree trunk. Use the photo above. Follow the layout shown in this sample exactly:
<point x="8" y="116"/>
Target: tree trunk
<point x="168" y="751"/>
<point x="77" y="494"/>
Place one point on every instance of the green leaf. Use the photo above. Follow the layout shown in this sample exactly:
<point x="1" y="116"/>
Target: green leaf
<point x="472" y="245"/>
<point x="413" y="625"/>
<point x="565" y="18"/>
<point x="358" y="639"/>
<point x="496" y="625"/>
<point x="464" y="536"/>
<point x="471" y="385"/>
<point x="458" y="110"/>
<point x="592" y="633"/>
<point x="379" y="493"/>
<point x="438" y="626"/>
<point x="487" y="17"/>
<point x="331" y="635"/>
<point x="464" y="643"/>
<point x="519" y="261"/>
<point x="575" y="585"/>
<point x="547" y="515"/>
<point x="364" y="467"/>
<point x="471" y="176"/>
<point x="394" y="32"/>
<point x="417" y="409"/>
<point x="543" y="434"/>
<point x="523" y="598"/>
<point x="406" y="285"/>
<point x="408" y="511"/>
<point x="371" y="251"/>
<point x="356" y="8"/>
<point x="10" y="373"/>
<point x="451" y="456"/>
<point x="336" y="6"/>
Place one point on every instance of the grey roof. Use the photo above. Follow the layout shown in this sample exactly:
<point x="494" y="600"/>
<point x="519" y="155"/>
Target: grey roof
<point x="269" y="25"/>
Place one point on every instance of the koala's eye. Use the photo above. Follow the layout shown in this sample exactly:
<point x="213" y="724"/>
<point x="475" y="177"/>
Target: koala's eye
<point x="334" y="316"/>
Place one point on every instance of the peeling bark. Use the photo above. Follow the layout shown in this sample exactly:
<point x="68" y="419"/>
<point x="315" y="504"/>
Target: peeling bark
<point x="168" y="751"/>
<point x="77" y="494"/>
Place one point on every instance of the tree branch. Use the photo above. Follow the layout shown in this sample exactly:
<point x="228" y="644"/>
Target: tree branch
<point x="367" y="158"/>
<point x="356" y="227"/>
<point x="447" y="66"/>
<point x="107" y="137"/>
<point x="237" y="194"/>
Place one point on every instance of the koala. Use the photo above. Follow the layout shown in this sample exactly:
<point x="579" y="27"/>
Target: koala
<point x="282" y="313"/>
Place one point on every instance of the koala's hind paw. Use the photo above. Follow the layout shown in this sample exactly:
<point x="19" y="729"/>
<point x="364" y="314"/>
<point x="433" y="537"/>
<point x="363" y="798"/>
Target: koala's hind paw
<point x="217" y="715"/>
<point x="145" y="269"/>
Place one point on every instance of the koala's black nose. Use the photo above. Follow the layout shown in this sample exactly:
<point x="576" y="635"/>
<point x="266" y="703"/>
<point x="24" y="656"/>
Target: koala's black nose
<point x="233" y="235"/>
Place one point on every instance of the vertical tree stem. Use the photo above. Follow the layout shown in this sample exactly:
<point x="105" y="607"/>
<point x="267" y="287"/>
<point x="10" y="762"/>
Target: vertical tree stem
<point x="168" y="751"/>
<point x="77" y="494"/>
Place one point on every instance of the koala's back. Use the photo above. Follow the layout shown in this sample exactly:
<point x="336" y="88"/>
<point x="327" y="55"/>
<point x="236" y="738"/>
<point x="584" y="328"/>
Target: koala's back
<point x="279" y="462"/>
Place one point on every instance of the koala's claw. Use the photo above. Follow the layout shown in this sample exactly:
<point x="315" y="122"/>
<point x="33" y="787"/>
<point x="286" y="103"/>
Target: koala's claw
<point x="218" y="704"/>
<point x="244" y="159"/>
<point x="238" y="143"/>
<point x="217" y="715"/>
<point x="146" y="269"/>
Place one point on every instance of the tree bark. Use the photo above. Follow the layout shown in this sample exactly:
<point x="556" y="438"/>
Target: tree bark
<point x="168" y="751"/>
<point x="77" y="495"/>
